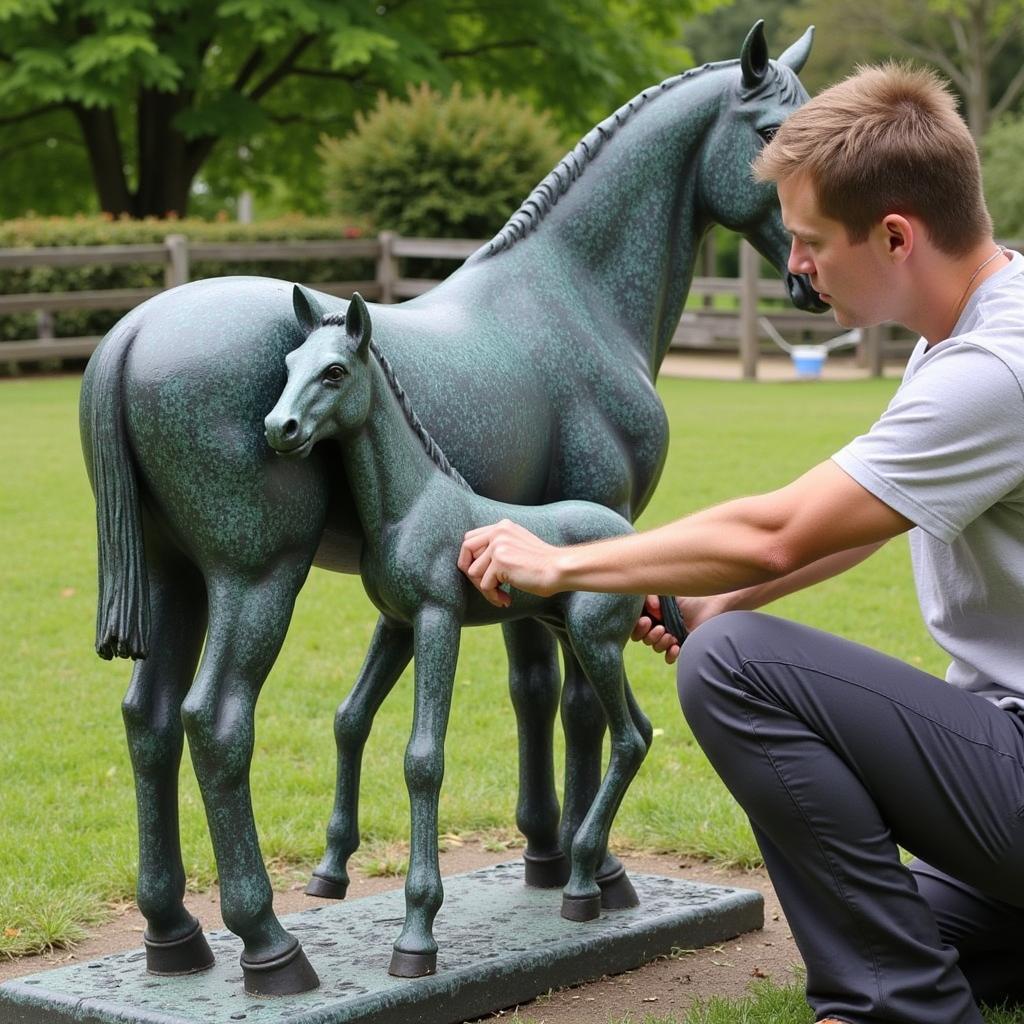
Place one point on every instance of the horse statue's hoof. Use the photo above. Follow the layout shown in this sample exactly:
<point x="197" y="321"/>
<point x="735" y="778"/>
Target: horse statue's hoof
<point x="581" y="908"/>
<point x="326" y="888"/>
<point x="617" y="892"/>
<point x="188" y="955"/>
<point x="283" y="976"/>
<point x="546" y="871"/>
<point x="412" y="965"/>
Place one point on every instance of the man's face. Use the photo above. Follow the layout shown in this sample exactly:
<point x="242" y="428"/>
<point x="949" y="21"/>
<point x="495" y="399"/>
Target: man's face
<point x="851" y="278"/>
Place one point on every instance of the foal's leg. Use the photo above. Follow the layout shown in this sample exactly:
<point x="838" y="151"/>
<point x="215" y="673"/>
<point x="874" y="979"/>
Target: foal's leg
<point x="437" y="650"/>
<point x="601" y="659"/>
<point x="533" y="682"/>
<point x="152" y="717"/>
<point x="248" y="619"/>
<point x="389" y="653"/>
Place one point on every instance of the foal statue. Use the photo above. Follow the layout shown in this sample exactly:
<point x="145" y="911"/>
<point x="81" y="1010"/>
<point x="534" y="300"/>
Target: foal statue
<point x="551" y="334"/>
<point x="414" y="508"/>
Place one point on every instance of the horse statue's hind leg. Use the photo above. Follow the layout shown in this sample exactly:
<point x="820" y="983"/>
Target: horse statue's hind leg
<point x="534" y="684"/>
<point x="584" y="721"/>
<point x="599" y="659"/>
<point x="389" y="653"/>
<point x="152" y="716"/>
<point x="249" y="615"/>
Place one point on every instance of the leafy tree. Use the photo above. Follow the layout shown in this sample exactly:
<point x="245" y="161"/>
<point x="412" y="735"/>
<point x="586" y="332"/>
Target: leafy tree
<point x="977" y="44"/>
<point x="161" y="93"/>
<point x="1002" y="153"/>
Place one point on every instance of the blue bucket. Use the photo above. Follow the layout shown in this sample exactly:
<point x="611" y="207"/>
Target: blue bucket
<point x="808" y="360"/>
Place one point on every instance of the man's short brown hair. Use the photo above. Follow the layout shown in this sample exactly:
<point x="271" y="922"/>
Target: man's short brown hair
<point x="888" y="139"/>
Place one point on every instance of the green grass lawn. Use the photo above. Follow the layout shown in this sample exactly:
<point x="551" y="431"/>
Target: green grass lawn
<point x="774" y="1004"/>
<point x="67" y="817"/>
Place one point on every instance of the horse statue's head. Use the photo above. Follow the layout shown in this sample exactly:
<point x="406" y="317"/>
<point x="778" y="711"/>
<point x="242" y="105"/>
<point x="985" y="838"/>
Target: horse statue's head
<point x="764" y="93"/>
<point x="328" y="391"/>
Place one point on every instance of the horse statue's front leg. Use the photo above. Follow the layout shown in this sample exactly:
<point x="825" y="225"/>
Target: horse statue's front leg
<point x="437" y="633"/>
<point x="389" y="653"/>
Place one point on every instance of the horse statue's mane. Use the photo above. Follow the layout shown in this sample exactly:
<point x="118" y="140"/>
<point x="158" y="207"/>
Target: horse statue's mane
<point x="542" y="200"/>
<point x="430" y="446"/>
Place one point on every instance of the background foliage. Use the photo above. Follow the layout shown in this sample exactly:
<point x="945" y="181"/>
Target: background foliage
<point x="434" y="166"/>
<point x="153" y="100"/>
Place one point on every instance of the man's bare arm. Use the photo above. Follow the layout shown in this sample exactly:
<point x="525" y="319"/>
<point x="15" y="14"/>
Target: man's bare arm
<point x="737" y="545"/>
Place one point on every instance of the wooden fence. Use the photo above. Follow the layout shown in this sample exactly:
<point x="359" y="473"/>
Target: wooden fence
<point x="702" y="326"/>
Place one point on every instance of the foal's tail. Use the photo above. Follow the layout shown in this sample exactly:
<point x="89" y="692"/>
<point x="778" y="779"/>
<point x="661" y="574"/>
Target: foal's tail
<point x="122" y="611"/>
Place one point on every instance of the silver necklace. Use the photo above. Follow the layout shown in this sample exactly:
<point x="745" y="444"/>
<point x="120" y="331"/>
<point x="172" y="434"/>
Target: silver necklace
<point x="1000" y="251"/>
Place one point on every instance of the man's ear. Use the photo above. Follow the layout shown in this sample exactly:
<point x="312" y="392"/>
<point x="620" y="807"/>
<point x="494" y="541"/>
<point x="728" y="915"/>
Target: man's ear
<point x="308" y="311"/>
<point x="899" y="236"/>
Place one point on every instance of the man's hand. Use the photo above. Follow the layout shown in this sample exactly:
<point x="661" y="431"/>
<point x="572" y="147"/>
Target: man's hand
<point x="694" y="611"/>
<point x="507" y="553"/>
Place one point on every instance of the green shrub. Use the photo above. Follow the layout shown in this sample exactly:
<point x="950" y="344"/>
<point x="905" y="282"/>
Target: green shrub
<point x="436" y="166"/>
<point x="64" y="231"/>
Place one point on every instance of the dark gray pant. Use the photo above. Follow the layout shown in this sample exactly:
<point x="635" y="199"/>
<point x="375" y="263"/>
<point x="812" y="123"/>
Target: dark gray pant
<point x="838" y="754"/>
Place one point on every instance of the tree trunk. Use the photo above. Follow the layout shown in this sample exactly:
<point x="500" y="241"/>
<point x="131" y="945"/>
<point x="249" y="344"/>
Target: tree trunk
<point x="99" y="132"/>
<point x="165" y="177"/>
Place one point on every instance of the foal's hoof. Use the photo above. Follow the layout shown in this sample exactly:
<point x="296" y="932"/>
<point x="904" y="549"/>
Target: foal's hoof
<point x="546" y="871"/>
<point x="617" y="892"/>
<point x="412" y="965"/>
<point x="179" y="956"/>
<point x="283" y="976"/>
<point x="326" y="888"/>
<point x="581" y="908"/>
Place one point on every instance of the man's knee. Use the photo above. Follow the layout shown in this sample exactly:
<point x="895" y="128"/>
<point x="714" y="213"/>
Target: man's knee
<point x="711" y="656"/>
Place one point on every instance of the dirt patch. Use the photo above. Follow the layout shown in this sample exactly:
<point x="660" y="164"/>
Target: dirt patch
<point x="661" y="988"/>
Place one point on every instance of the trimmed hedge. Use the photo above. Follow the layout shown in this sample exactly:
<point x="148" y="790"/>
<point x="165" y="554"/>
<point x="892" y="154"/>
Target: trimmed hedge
<point x="37" y="231"/>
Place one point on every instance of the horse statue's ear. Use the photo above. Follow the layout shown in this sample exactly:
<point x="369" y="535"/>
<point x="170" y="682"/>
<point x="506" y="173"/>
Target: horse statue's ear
<point x="308" y="311"/>
<point x="357" y="322"/>
<point x="796" y="55"/>
<point x="754" y="56"/>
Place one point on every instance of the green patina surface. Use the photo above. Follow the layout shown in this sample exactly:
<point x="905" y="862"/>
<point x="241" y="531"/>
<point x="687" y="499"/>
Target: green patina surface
<point x="503" y="944"/>
<point x="533" y="367"/>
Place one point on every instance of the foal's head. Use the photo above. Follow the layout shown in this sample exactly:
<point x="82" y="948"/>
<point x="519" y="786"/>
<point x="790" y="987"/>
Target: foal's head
<point x="328" y="389"/>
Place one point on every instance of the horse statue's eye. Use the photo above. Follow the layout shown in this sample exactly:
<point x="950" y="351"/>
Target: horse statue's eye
<point x="334" y="373"/>
<point x="768" y="133"/>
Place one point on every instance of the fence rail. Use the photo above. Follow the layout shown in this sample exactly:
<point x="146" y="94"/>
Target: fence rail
<point x="702" y="324"/>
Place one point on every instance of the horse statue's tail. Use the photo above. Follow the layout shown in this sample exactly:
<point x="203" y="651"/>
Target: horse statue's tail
<point x="122" y="610"/>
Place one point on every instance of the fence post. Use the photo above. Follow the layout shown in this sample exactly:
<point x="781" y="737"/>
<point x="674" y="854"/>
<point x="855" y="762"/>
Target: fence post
<point x="44" y="325"/>
<point x="750" y="269"/>
<point x="387" y="266"/>
<point x="176" y="271"/>
<point x="873" y="339"/>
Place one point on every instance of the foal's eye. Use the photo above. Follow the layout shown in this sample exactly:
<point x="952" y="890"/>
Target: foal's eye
<point x="768" y="133"/>
<point x="334" y="373"/>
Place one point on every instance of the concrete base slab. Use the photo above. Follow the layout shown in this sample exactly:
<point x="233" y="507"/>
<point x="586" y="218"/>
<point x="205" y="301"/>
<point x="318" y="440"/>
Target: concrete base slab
<point x="501" y="944"/>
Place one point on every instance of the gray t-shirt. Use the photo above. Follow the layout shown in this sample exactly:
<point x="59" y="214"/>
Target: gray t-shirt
<point x="948" y="453"/>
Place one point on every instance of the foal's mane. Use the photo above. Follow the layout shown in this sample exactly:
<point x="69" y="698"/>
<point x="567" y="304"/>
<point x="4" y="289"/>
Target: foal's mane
<point x="430" y="446"/>
<point x="780" y="80"/>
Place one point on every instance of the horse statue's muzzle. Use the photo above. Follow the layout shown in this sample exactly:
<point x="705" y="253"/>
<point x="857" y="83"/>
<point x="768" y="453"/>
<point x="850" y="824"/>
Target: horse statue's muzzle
<point x="803" y="296"/>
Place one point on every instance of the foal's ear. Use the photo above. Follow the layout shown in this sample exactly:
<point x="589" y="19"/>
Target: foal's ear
<point x="357" y="323"/>
<point x="308" y="310"/>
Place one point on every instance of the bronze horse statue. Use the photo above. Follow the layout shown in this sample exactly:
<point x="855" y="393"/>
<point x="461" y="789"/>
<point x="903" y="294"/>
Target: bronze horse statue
<point x="533" y="367"/>
<point x="414" y="508"/>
